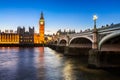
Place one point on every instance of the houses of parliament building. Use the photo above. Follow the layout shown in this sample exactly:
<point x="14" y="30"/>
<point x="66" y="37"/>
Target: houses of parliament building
<point x="23" y="37"/>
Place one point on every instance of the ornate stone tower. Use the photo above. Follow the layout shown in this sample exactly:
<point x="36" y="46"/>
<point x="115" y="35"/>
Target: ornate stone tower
<point x="41" y="28"/>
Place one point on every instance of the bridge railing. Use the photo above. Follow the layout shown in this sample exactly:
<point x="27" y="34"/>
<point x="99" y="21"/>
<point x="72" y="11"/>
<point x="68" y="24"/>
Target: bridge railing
<point x="81" y="45"/>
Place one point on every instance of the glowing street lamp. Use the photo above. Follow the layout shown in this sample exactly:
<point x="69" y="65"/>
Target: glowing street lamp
<point x="95" y="18"/>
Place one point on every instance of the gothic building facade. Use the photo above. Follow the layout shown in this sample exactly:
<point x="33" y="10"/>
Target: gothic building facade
<point x="9" y="38"/>
<point x="26" y="37"/>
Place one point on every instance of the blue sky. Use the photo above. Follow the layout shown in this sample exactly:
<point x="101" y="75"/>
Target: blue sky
<point x="59" y="14"/>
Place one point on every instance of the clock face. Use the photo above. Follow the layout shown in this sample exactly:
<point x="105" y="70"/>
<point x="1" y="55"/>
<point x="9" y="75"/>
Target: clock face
<point x="41" y="22"/>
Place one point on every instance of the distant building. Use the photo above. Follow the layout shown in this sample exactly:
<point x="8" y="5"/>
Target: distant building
<point x="11" y="31"/>
<point x="48" y="38"/>
<point x="6" y="31"/>
<point x="65" y="32"/>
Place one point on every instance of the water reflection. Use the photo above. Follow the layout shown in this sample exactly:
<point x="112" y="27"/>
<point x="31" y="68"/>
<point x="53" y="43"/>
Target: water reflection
<point x="8" y="63"/>
<point x="25" y="64"/>
<point x="76" y="69"/>
<point x="48" y="66"/>
<point x="41" y="66"/>
<point x="42" y="63"/>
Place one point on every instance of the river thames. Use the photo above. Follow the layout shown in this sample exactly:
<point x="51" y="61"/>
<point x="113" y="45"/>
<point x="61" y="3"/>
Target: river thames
<point x="43" y="63"/>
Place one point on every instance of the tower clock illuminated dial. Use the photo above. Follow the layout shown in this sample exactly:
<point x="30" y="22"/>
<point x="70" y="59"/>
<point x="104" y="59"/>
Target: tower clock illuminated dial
<point x="41" y="22"/>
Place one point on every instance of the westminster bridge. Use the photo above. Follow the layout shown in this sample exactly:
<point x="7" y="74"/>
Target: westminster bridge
<point x="102" y="45"/>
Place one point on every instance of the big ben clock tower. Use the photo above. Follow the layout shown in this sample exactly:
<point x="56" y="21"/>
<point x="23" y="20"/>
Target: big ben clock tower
<point x="41" y="28"/>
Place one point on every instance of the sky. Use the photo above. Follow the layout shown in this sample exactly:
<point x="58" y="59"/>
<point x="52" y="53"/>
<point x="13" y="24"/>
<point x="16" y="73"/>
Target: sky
<point x="58" y="14"/>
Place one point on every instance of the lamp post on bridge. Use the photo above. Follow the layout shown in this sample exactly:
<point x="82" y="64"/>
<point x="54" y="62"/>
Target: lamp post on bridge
<point x="95" y="34"/>
<point x="94" y="55"/>
<point x="95" y="18"/>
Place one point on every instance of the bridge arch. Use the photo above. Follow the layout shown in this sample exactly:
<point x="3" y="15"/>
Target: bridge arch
<point x="62" y="41"/>
<point x="108" y="37"/>
<point x="55" y="42"/>
<point x="80" y="37"/>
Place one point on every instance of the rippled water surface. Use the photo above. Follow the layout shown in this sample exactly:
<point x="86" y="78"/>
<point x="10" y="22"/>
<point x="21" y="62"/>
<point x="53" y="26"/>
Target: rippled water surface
<point x="42" y="63"/>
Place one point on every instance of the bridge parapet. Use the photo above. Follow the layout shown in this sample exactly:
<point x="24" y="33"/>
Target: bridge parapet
<point x="109" y="27"/>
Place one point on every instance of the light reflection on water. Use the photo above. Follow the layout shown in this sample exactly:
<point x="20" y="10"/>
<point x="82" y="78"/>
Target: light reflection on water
<point x="45" y="64"/>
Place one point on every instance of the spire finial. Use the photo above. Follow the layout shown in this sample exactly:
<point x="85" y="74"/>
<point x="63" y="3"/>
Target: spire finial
<point x="42" y="15"/>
